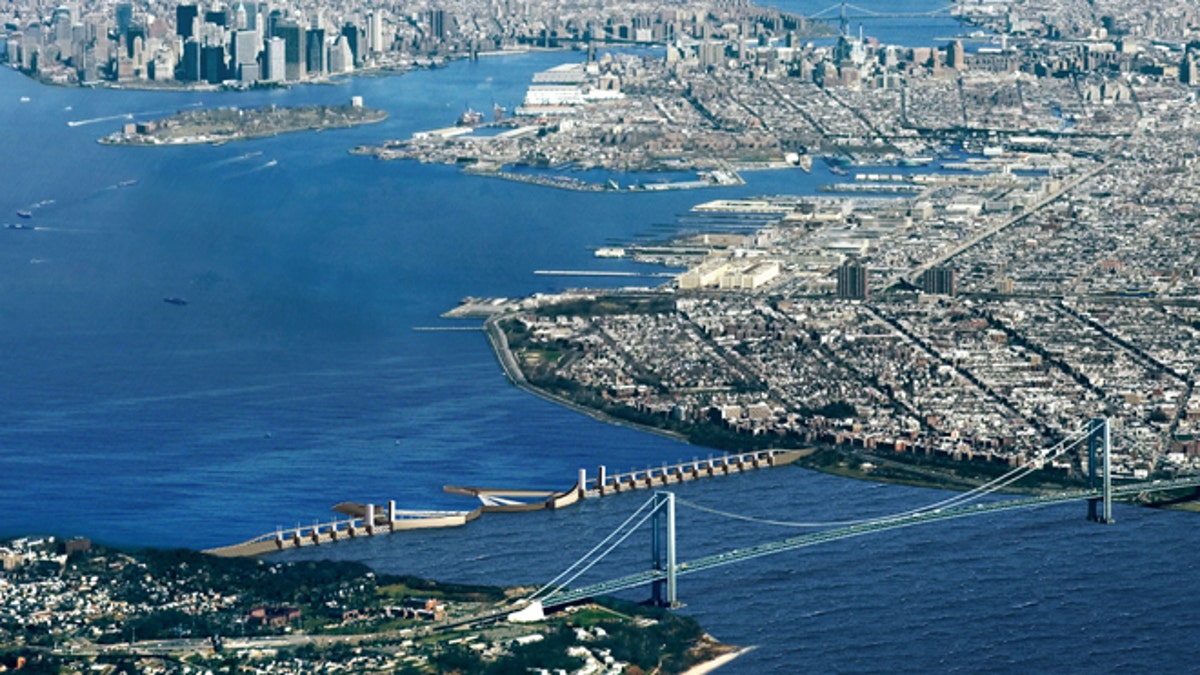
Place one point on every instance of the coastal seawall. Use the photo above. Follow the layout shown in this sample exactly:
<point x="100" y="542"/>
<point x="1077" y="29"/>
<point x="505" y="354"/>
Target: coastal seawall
<point x="512" y="371"/>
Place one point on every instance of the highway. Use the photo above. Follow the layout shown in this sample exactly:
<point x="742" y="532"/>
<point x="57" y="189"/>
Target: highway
<point x="866" y="527"/>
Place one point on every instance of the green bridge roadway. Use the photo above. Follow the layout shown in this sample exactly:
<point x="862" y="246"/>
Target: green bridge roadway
<point x="868" y="527"/>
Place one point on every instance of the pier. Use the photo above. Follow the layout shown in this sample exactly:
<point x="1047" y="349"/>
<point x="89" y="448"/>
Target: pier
<point x="602" y="273"/>
<point x="368" y="520"/>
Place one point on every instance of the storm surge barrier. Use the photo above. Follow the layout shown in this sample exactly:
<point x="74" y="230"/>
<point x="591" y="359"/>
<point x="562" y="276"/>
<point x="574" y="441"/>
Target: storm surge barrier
<point x="366" y="520"/>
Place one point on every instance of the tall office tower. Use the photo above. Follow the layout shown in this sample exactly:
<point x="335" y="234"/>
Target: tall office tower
<point x="62" y="23"/>
<point x="315" y="61"/>
<point x="189" y="67"/>
<point x="275" y="60"/>
<point x="217" y="17"/>
<point x="241" y="18"/>
<point x="350" y="32"/>
<point x="852" y="281"/>
<point x="437" y="24"/>
<point x="133" y="35"/>
<point x="341" y="59"/>
<point x="124" y="18"/>
<point x="958" y="56"/>
<point x="212" y="63"/>
<point x="185" y="20"/>
<point x="246" y="46"/>
<point x="273" y="18"/>
<point x="375" y="33"/>
<point x="293" y="37"/>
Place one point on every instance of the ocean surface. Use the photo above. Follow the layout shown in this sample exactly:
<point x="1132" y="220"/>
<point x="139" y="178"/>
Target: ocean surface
<point x="293" y="379"/>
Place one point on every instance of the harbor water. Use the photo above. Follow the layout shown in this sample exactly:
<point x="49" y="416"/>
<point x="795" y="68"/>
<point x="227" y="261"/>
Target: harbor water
<point x="288" y="378"/>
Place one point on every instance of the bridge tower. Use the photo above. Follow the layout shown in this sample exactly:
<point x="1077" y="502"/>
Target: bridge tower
<point x="1100" y="439"/>
<point x="662" y="549"/>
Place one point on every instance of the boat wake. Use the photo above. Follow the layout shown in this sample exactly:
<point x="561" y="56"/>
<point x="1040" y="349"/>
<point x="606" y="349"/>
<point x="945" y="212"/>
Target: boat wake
<point x="250" y="170"/>
<point x="235" y="160"/>
<point x="94" y="120"/>
<point x="125" y="116"/>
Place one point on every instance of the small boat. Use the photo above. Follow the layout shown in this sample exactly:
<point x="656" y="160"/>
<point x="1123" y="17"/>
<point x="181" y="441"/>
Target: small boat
<point x="127" y="183"/>
<point x="25" y="214"/>
<point x="18" y="226"/>
<point x="175" y="301"/>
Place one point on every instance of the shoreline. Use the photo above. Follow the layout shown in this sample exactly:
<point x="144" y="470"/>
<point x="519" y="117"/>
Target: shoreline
<point x="921" y="475"/>
<point x="722" y="660"/>
<point x="513" y="373"/>
<point x="148" y="139"/>
<point x="383" y="70"/>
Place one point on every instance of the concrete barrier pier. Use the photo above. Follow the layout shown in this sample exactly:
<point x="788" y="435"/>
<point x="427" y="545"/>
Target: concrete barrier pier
<point x="367" y="520"/>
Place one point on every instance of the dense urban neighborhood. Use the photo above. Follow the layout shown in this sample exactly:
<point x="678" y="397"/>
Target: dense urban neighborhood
<point x="74" y="606"/>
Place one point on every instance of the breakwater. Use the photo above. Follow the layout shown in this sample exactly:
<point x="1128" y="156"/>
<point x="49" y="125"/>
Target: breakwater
<point x="368" y="520"/>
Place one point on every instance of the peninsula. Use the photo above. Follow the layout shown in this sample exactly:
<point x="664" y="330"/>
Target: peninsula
<point x="75" y="606"/>
<point x="220" y="125"/>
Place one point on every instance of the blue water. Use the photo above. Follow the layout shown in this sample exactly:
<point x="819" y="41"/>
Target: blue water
<point x="293" y="380"/>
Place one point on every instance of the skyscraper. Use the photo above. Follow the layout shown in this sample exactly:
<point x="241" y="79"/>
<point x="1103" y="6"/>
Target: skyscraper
<point x="852" y="281"/>
<point x="185" y="20"/>
<point x="375" y="33"/>
<point x="218" y="17"/>
<point x="124" y="18"/>
<point x="189" y="66"/>
<point x="272" y="18"/>
<point x="437" y="24"/>
<point x="293" y="37"/>
<point x="246" y="45"/>
<point x="350" y="32"/>
<point x="275" y="60"/>
<point x="340" y="58"/>
<point x="958" y="56"/>
<point x="315" y="51"/>
<point x="212" y="63"/>
<point x="132" y="34"/>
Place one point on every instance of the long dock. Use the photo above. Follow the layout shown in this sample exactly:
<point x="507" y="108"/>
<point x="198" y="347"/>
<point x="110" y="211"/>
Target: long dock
<point x="368" y="520"/>
<point x="602" y="273"/>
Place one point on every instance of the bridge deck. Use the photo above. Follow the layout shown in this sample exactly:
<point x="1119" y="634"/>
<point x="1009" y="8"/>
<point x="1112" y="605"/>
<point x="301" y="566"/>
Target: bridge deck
<point x="802" y="541"/>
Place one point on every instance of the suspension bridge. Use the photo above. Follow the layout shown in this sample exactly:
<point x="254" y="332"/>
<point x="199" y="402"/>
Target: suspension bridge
<point x="660" y="509"/>
<point x="845" y="12"/>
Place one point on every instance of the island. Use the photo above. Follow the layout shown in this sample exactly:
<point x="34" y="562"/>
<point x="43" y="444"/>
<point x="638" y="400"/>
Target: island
<point x="75" y="606"/>
<point x="220" y="125"/>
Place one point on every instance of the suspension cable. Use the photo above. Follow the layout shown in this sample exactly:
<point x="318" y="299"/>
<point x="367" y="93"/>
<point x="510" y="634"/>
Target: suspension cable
<point x="595" y="548"/>
<point x="950" y="502"/>
<point x="601" y="556"/>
